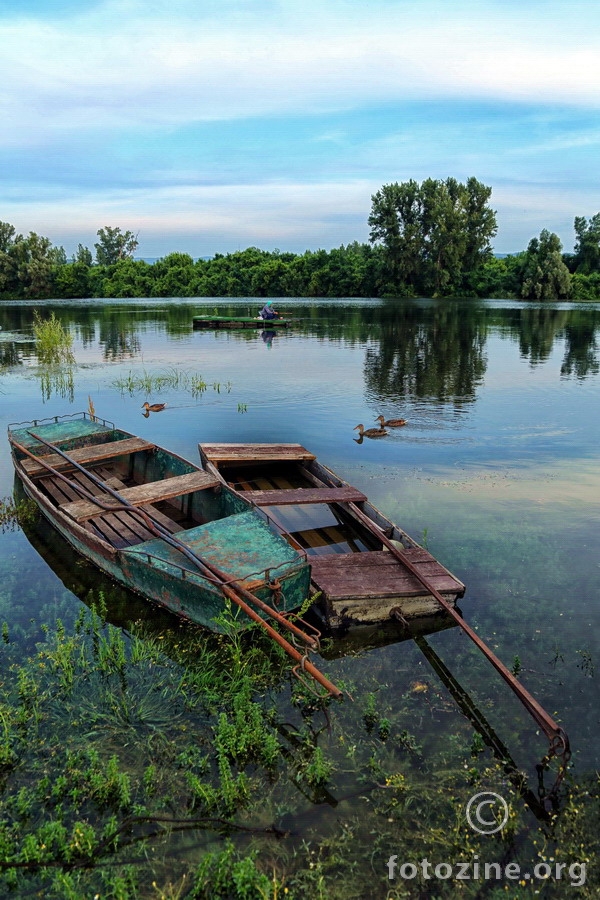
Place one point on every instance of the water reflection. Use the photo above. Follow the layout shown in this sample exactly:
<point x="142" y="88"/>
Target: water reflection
<point x="267" y="337"/>
<point x="417" y="347"/>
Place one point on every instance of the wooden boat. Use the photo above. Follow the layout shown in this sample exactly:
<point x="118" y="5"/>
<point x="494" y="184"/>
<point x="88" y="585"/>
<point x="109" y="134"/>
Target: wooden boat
<point x="238" y="322"/>
<point x="358" y="557"/>
<point x="154" y="521"/>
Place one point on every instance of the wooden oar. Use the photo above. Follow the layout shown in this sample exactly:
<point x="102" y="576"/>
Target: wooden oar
<point x="558" y="738"/>
<point x="222" y="579"/>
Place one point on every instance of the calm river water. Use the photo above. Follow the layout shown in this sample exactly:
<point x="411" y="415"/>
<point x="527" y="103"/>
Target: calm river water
<point x="497" y="470"/>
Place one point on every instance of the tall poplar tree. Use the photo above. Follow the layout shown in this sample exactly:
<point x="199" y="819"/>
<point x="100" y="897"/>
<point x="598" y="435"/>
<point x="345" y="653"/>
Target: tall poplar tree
<point x="434" y="234"/>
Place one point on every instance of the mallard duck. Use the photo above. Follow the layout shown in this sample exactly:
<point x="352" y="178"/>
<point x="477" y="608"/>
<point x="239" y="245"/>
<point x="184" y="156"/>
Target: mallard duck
<point x="390" y="423"/>
<point x="153" y="407"/>
<point x="370" y="432"/>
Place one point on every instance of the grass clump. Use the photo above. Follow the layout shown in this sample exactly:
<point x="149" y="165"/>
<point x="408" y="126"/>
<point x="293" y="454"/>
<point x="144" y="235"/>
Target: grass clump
<point x="53" y="343"/>
<point x="148" y="383"/>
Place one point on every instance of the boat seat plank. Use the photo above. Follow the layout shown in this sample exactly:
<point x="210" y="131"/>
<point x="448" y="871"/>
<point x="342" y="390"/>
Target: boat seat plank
<point x="299" y="496"/>
<point x="107" y="476"/>
<point x="142" y="494"/>
<point x="234" y="453"/>
<point x="376" y="574"/>
<point x="85" y="455"/>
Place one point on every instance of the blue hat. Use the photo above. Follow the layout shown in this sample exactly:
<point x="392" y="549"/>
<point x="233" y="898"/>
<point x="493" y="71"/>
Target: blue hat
<point x="269" y="303"/>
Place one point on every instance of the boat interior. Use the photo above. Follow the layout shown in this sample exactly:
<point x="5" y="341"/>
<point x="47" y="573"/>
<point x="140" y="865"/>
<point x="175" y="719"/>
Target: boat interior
<point x="283" y="491"/>
<point x="172" y="492"/>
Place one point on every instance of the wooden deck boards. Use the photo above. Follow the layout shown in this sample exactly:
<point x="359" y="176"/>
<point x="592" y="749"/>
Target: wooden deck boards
<point x="297" y="496"/>
<point x="234" y="453"/>
<point x="377" y="574"/>
<point x="85" y="455"/>
<point x="120" y="529"/>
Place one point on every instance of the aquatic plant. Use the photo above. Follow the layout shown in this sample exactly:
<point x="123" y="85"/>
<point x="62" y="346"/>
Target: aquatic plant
<point x="52" y="341"/>
<point x="16" y="513"/>
<point x="147" y="383"/>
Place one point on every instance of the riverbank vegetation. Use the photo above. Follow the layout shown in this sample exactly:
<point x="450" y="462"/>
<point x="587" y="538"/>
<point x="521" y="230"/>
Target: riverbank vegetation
<point x="427" y="239"/>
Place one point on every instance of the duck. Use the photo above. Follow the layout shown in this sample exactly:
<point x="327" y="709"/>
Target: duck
<point x="370" y="432"/>
<point x="153" y="407"/>
<point x="390" y="423"/>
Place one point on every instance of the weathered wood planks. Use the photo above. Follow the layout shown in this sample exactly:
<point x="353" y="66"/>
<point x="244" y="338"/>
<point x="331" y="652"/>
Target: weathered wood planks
<point x="141" y="494"/>
<point x="84" y="455"/>
<point x="376" y="574"/>
<point x="299" y="496"/>
<point x="233" y="453"/>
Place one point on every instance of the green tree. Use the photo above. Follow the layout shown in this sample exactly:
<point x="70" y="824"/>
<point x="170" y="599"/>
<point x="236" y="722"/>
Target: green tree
<point x="7" y="236"/>
<point x="83" y="256"/>
<point x="587" y="245"/>
<point x="73" y="280"/>
<point x="544" y="275"/>
<point x="114" y="245"/>
<point x="396" y="223"/>
<point x="27" y="264"/>
<point x="434" y="234"/>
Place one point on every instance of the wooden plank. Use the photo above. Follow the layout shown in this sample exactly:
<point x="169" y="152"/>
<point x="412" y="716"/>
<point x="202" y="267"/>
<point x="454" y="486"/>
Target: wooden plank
<point x="376" y="574"/>
<point x="232" y="453"/>
<point x="166" y="521"/>
<point x="85" y="455"/>
<point x="298" y="496"/>
<point x="60" y="492"/>
<point x="134" y="525"/>
<point x="142" y="494"/>
<point x="109" y="529"/>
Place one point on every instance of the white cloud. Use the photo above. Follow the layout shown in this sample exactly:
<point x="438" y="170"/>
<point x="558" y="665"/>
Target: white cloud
<point x="124" y="63"/>
<point x="205" y="220"/>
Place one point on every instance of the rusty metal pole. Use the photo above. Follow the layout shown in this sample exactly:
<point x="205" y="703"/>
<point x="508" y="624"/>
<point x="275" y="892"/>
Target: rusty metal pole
<point x="559" y="741"/>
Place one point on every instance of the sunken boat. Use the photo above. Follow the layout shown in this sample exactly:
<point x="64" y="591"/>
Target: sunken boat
<point x="157" y="523"/>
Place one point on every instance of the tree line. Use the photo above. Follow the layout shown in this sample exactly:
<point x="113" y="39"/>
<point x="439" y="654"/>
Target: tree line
<point x="427" y="239"/>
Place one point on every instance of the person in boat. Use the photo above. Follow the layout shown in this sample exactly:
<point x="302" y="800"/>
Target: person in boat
<point x="267" y="312"/>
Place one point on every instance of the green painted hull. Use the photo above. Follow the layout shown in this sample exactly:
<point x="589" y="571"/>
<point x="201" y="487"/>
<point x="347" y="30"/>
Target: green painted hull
<point x="232" y="536"/>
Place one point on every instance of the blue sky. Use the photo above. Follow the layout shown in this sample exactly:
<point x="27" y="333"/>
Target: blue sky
<point x="209" y="126"/>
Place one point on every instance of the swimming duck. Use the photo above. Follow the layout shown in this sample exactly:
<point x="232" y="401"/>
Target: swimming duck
<point x="370" y="432"/>
<point x="154" y="407"/>
<point x="390" y="423"/>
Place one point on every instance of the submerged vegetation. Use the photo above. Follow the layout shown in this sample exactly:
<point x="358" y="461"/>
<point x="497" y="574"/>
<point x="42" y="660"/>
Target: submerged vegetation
<point x="177" y="763"/>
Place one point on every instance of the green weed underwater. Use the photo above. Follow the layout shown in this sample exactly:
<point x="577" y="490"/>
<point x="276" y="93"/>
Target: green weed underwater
<point x="182" y="764"/>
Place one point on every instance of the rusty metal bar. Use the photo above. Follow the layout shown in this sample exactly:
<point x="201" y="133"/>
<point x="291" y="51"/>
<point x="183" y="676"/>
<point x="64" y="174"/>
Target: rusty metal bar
<point x="558" y="738"/>
<point x="197" y="560"/>
<point x="220" y="578"/>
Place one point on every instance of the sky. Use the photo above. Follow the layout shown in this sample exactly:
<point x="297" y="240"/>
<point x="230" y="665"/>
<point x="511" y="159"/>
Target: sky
<point x="208" y="126"/>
